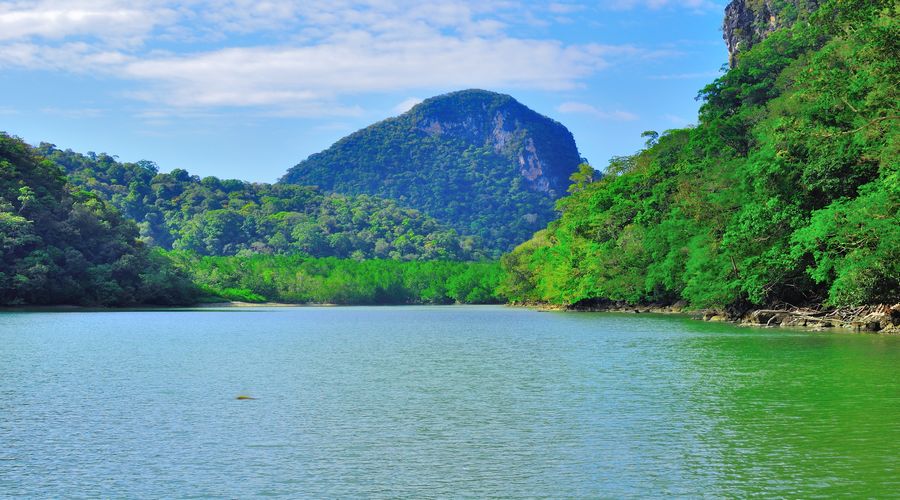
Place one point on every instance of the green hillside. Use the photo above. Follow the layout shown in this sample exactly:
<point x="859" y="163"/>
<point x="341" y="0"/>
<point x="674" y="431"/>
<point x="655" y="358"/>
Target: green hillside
<point x="64" y="245"/>
<point x="212" y="216"/>
<point x="64" y="241"/>
<point x="302" y="279"/>
<point x="478" y="161"/>
<point x="786" y="192"/>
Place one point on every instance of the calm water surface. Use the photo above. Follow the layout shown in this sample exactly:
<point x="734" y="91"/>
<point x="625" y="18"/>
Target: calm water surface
<point x="433" y="402"/>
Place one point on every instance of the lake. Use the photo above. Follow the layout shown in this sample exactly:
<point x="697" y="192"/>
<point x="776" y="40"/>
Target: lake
<point x="440" y="401"/>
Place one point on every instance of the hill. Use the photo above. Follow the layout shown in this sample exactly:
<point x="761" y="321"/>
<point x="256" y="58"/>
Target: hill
<point x="478" y="161"/>
<point x="60" y="245"/>
<point x="212" y="216"/>
<point x="787" y="193"/>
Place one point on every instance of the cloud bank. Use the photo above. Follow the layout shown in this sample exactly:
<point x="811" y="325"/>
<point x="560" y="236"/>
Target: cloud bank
<point x="301" y="57"/>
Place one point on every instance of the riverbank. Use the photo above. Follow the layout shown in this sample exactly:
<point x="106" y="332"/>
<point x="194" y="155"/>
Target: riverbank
<point x="201" y="305"/>
<point x="881" y="318"/>
<point x="237" y="303"/>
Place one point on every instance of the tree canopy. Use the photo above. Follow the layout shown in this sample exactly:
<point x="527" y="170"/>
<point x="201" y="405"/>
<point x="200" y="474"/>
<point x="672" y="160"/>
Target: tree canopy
<point x="214" y="216"/>
<point x="787" y="192"/>
<point x="64" y="245"/>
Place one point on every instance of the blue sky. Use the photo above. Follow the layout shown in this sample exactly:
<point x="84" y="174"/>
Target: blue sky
<point x="246" y="89"/>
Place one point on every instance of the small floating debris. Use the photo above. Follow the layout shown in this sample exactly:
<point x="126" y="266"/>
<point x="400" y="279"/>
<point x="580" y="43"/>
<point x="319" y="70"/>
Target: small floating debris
<point x="244" y="397"/>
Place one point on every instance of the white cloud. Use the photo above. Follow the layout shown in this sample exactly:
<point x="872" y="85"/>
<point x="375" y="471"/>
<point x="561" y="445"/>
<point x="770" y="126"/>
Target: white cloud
<point x="114" y="22"/>
<point x="572" y="107"/>
<point x="76" y="57"/>
<point x="564" y="8"/>
<point x="299" y="57"/>
<point x="359" y="62"/>
<point x="406" y="105"/>
<point x="75" y="113"/>
<point x="693" y="5"/>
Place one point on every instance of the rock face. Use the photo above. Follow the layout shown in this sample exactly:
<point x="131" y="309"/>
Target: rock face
<point x="479" y="161"/>
<point x="748" y="22"/>
<point x="481" y="118"/>
<point x="883" y="318"/>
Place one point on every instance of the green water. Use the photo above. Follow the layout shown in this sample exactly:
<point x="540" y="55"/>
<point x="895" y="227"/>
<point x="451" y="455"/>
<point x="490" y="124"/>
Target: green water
<point x="434" y="402"/>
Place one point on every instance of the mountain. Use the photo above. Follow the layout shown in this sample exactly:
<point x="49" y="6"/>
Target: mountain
<point x="212" y="216"/>
<point x="479" y="161"/>
<point x="786" y="193"/>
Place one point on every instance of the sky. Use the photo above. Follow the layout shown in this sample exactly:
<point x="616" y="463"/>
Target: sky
<point x="248" y="88"/>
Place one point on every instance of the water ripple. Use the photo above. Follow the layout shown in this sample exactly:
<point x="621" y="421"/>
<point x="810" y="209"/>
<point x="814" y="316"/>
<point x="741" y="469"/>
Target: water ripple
<point x="434" y="402"/>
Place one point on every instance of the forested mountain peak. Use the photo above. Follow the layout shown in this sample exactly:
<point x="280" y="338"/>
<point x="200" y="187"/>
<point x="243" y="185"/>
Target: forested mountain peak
<point x="504" y="124"/>
<point x="477" y="160"/>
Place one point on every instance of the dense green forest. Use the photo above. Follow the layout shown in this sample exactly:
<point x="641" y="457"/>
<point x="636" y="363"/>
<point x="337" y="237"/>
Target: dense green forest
<point x="478" y="161"/>
<point x="61" y="245"/>
<point x="302" y="279"/>
<point x="64" y="242"/>
<point x="213" y="216"/>
<point x="785" y="193"/>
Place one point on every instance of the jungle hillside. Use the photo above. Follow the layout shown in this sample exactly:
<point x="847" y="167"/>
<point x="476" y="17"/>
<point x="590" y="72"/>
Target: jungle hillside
<point x="786" y="192"/>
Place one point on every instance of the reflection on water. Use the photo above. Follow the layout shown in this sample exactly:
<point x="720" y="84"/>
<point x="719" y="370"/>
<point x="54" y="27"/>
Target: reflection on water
<point x="428" y="401"/>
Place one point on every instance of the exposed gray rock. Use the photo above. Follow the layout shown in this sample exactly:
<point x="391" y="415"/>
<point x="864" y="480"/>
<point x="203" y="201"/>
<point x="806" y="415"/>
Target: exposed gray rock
<point x="748" y="22"/>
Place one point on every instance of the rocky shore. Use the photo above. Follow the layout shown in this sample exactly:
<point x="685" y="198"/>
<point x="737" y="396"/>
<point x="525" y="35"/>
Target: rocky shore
<point x="881" y="318"/>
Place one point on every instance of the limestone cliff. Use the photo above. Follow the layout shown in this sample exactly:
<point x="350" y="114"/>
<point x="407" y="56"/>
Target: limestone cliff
<point x="748" y="22"/>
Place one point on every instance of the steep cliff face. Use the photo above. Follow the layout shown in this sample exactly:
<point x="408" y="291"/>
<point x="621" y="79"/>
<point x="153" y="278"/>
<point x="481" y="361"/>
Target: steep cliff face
<point x="748" y="22"/>
<point x="506" y="138"/>
<point x="543" y="149"/>
<point x="479" y="161"/>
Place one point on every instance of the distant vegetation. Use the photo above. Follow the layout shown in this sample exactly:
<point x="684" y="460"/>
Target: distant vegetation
<point x="211" y="216"/>
<point x="59" y="245"/>
<point x="301" y="279"/>
<point x="786" y="193"/>
<point x="477" y="161"/>
<point x="63" y="244"/>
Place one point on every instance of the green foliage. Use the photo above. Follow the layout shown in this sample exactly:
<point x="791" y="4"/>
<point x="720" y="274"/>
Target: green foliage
<point x="302" y="279"/>
<point x="478" y="161"/>
<point x="582" y="177"/>
<point x="60" y="246"/>
<point x="236" y="294"/>
<point x="855" y="245"/>
<point x="212" y="216"/>
<point x="786" y="192"/>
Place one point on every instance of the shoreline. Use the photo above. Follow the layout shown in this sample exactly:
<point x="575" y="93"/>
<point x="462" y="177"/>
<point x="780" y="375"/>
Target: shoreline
<point x="150" y="307"/>
<point x="209" y="305"/>
<point x="237" y="303"/>
<point x="879" y="319"/>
